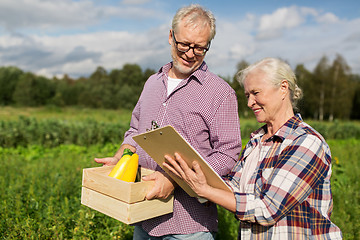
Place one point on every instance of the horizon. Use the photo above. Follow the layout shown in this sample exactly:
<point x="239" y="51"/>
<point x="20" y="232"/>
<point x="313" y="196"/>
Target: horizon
<point x="74" y="37"/>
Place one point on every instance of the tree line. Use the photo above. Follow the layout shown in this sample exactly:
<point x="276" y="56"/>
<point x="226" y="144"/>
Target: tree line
<point x="331" y="91"/>
<point x="117" y="89"/>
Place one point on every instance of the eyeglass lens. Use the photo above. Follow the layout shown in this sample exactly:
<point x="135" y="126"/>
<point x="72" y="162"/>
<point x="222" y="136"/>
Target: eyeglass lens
<point x="184" y="47"/>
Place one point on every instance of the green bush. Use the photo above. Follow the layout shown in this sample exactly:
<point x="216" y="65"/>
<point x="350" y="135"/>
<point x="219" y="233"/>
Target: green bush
<point x="337" y="130"/>
<point x="52" y="132"/>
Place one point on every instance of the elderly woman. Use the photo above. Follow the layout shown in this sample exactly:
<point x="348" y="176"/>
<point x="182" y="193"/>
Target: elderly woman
<point x="281" y="184"/>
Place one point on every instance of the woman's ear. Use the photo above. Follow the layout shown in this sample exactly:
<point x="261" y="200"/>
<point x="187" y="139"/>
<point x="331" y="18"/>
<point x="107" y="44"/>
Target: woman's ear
<point x="284" y="87"/>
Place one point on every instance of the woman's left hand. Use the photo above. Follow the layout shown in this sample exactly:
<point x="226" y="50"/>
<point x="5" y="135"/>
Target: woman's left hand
<point x="194" y="176"/>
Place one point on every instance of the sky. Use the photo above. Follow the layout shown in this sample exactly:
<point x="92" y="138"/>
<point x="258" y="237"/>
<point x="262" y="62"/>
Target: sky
<point x="74" y="37"/>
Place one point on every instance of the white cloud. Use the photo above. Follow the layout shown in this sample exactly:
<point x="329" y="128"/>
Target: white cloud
<point x="45" y="14"/>
<point x="302" y="40"/>
<point x="328" y="18"/>
<point x="282" y="18"/>
<point x="233" y="41"/>
<point x="296" y="34"/>
<point x="134" y="2"/>
<point x="66" y="14"/>
<point x="80" y="54"/>
<point x="273" y="25"/>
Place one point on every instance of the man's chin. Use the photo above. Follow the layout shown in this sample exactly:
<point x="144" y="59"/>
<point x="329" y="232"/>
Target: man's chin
<point x="185" y="71"/>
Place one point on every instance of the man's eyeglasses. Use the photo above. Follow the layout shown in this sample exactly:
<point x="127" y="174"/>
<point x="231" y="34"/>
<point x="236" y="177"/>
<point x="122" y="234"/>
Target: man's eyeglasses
<point x="184" y="47"/>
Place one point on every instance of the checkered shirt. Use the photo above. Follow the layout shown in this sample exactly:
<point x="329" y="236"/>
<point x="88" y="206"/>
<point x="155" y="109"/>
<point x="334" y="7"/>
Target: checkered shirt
<point x="203" y="109"/>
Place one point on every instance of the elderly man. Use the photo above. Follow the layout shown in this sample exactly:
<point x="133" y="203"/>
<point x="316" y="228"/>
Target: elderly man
<point x="202" y="108"/>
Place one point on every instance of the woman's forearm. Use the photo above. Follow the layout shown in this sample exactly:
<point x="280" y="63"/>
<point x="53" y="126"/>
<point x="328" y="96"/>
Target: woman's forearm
<point x="226" y="199"/>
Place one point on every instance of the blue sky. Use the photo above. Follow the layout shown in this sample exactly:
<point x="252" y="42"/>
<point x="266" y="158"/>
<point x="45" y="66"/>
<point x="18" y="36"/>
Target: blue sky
<point x="54" y="38"/>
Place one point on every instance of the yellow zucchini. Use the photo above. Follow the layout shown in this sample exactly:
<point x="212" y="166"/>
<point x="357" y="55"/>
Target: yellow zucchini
<point x="120" y="167"/>
<point x="127" y="167"/>
<point x="131" y="169"/>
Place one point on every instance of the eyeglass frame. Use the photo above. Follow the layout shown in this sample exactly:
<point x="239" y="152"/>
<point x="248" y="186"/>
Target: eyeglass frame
<point x="205" y="49"/>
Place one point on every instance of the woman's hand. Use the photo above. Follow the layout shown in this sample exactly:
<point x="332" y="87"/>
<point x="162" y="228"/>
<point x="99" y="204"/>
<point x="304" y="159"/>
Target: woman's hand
<point x="196" y="179"/>
<point x="194" y="176"/>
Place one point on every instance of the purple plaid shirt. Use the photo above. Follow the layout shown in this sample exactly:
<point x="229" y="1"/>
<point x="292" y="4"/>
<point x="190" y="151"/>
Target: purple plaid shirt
<point x="203" y="109"/>
<point x="289" y="194"/>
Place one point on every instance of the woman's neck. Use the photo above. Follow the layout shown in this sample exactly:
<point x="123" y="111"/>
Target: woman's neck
<point x="274" y="126"/>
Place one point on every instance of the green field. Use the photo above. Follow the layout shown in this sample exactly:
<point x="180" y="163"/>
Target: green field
<point x="40" y="185"/>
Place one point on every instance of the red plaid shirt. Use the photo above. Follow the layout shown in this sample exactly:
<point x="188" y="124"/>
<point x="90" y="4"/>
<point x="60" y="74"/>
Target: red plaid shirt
<point x="289" y="194"/>
<point x="203" y="109"/>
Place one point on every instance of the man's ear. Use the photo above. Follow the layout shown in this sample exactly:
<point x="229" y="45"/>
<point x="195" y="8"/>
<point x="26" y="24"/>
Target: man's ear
<point x="170" y="37"/>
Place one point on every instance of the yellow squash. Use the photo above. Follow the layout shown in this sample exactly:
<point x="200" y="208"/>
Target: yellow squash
<point x="121" y="164"/>
<point x="126" y="168"/>
<point x="120" y="167"/>
<point x="129" y="174"/>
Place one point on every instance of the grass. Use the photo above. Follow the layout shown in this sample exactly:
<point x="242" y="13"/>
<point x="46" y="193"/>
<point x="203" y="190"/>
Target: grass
<point x="40" y="195"/>
<point x="40" y="186"/>
<point x="67" y="113"/>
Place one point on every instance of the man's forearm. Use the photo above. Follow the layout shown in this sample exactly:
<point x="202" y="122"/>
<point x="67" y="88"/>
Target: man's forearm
<point x="119" y="152"/>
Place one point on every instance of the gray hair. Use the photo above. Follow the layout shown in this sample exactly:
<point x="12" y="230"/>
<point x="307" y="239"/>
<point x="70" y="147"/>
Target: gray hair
<point x="196" y="15"/>
<point x="277" y="70"/>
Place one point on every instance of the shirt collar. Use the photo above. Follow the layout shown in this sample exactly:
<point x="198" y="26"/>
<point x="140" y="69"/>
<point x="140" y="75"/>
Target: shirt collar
<point x="198" y="75"/>
<point x="289" y="126"/>
<point x="284" y="131"/>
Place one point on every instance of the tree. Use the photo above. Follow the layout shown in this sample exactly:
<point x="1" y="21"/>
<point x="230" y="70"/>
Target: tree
<point x="32" y="90"/>
<point x="341" y="89"/>
<point x="242" y="101"/>
<point x="67" y="91"/>
<point x="355" y="113"/>
<point x="129" y="82"/>
<point x="305" y="78"/>
<point x="147" y="73"/>
<point x="9" y="77"/>
<point x="97" y="90"/>
<point x="321" y="75"/>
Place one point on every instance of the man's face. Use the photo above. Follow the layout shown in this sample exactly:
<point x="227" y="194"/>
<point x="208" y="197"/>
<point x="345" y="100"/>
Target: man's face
<point x="185" y="63"/>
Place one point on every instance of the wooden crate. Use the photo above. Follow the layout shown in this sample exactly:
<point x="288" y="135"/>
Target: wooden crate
<point x="121" y="200"/>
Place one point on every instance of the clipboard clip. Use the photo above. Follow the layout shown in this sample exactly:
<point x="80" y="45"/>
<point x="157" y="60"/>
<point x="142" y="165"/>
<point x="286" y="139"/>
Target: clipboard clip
<point x="154" y="126"/>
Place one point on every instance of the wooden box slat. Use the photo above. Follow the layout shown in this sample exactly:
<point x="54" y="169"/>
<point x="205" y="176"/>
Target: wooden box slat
<point x="97" y="179"/>
<point x="121" y="200"/>
<point x="125" y="212"/>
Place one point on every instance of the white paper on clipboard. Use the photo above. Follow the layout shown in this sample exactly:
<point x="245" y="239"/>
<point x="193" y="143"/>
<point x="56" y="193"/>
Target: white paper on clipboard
<point x="166" y="141"/>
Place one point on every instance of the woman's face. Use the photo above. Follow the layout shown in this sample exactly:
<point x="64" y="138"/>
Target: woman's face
<point x="264" y="99"/>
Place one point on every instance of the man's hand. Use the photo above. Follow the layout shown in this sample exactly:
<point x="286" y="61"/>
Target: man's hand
<point x="163" y="188"/>
<point x="108" y="161"/>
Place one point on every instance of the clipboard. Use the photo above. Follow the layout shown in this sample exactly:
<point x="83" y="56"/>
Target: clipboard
<point x="166" y="141"/>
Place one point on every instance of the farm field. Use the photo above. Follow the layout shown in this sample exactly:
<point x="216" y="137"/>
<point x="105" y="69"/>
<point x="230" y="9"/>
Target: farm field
<point x="40" y="184"/>
<point x="70" y="114"/>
